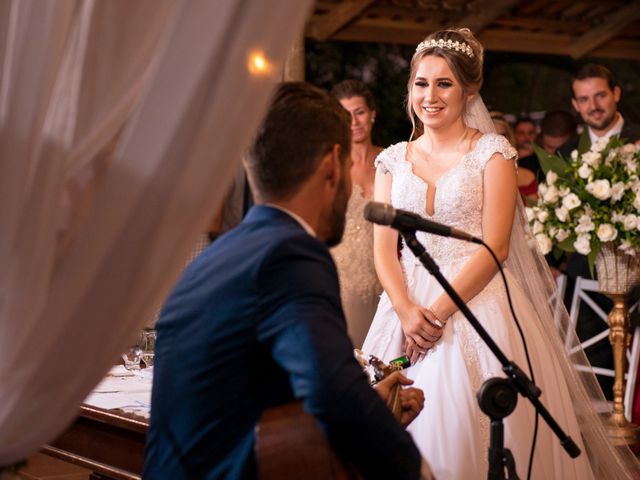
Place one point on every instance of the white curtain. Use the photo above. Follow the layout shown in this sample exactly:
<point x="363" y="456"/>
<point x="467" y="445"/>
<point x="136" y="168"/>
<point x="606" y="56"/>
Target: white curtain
<point x="120" y="125"/>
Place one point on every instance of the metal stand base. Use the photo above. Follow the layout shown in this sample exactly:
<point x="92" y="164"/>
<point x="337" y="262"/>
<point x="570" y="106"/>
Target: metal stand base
<point x="626" y="434"/>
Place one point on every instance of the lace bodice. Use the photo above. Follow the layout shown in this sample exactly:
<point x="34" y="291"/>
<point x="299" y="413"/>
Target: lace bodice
<point x="458" y="198"/>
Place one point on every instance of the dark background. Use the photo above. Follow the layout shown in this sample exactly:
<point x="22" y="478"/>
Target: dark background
<point x="513" y="83"/>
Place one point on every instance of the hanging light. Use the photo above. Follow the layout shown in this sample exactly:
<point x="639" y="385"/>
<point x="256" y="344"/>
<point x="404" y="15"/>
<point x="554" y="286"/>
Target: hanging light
<point x="259" y="64"/>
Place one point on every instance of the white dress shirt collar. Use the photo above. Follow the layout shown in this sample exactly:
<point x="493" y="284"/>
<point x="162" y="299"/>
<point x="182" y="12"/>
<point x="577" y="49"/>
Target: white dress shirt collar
<point x="297" y="218"/>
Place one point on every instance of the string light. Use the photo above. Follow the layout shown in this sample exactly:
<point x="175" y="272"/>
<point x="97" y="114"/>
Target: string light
<point x="259" y="64"/>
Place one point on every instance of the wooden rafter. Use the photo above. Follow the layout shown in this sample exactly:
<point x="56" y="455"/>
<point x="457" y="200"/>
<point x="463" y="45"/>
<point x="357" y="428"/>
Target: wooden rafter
<point x="485" y="12"/>
<point x="605" y="31"/>
<point x="337" y="18"/>
<point x="566" y="27"/>
<point x="542" y="24"/>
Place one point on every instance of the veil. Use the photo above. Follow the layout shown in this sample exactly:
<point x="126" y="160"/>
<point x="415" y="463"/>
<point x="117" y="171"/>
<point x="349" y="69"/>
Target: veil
<point x="586" y="395"/>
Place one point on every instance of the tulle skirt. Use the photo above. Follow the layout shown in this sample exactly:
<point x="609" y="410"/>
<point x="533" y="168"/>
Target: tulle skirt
<point x="451" y="432"/>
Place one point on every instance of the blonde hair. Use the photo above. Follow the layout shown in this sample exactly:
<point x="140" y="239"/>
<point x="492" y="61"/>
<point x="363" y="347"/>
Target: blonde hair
<point x="499" y="120"/>
<point x="466" y="68"/>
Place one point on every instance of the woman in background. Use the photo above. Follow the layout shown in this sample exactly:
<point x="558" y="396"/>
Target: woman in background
<point x="359" y="285"/>
<point x="526" y="176"/>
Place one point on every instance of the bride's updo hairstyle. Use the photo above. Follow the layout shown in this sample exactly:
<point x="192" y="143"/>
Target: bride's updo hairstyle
<point x="462" y="52"/>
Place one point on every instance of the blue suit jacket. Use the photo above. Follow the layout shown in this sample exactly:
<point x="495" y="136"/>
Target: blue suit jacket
<point x="256" y="321"/>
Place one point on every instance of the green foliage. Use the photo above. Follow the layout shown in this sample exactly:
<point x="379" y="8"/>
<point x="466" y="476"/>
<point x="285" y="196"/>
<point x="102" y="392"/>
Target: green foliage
<point x="550" y="162"/>
<point x="585" y="142"/>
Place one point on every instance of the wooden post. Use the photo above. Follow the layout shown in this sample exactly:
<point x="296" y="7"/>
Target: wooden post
<point x="294" y="63"/>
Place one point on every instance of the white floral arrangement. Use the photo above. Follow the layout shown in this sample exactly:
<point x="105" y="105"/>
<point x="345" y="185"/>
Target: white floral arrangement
<point x="589" y="199"/>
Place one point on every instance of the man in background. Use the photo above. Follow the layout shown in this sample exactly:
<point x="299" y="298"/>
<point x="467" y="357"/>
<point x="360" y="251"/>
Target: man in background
<point x="596" y="95"/>
<point x="557" y="128"/>
<point x="525" y="131"/>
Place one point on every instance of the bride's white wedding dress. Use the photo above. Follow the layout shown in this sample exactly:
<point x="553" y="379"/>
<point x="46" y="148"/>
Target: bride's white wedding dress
<point x="451" y="432"/>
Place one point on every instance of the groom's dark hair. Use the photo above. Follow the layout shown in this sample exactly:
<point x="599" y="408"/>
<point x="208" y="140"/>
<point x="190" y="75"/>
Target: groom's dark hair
<point x="302" y="125"/>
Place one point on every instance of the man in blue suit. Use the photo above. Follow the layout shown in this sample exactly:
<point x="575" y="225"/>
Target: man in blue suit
<point x="256" y="320"/>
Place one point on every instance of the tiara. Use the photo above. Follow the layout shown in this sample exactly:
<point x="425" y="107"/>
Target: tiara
<point x="449" y="44"/>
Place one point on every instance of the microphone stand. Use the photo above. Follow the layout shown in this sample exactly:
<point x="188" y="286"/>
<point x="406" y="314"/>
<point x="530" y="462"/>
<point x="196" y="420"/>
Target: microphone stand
<point x="498" y="396"/>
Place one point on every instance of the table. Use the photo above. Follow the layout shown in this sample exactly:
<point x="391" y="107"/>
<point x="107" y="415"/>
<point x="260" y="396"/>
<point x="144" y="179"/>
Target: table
<point x="110" y="443"/>
<point x="109" y="434"/>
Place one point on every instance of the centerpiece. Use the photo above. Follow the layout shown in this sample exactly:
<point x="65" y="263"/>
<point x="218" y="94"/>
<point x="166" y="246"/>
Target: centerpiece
<point x="590" y="204"/>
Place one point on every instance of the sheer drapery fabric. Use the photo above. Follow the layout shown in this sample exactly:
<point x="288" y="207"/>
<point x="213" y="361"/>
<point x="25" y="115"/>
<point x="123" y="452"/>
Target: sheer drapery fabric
<point x="528" y="265"/>
<point x="121" y="124"/>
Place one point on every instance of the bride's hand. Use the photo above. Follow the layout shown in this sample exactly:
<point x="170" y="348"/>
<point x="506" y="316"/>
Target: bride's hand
<point x="420" y="330"/>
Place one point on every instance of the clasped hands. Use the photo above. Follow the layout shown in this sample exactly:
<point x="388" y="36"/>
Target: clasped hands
<point x="422" y="329"/>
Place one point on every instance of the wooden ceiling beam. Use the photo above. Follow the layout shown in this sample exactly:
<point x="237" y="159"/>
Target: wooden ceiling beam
<point x="384" y="23"/>
<point x="485" y="12"/>
<point x="606" y="30"/>
<point x="358" y="33"/>
<point x="623" y="49"/>
<point x="525" y="42"/>
<point x="544" y="24"/>
<point x="494" y="40"/>
<point x="337" y="18"/>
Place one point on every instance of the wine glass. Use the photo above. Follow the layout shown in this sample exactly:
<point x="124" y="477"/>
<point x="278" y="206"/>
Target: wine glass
<point x="147" y="342"/>
<point x="131" y="358"/>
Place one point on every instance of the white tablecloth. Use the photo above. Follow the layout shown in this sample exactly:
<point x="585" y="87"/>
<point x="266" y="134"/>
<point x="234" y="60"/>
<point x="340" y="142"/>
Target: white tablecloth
<point x="125" y="390"/>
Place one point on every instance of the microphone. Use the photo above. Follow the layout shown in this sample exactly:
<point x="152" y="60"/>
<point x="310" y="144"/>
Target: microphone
<point x="385" y="214"/>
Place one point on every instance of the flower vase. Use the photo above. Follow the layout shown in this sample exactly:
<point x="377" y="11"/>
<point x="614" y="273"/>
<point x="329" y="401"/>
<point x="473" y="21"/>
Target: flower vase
<point x="618" y="273"/>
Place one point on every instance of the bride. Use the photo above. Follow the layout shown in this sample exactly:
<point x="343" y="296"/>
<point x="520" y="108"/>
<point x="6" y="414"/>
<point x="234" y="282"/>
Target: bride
<point x="456" y="172"/>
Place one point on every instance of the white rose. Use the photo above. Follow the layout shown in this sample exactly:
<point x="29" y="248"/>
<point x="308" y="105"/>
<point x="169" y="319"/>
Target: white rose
<point x="630" y="222"/>
<point x="564" y="191"/>
<point x="585" y="224"/>
<point x="550" y="194"/>
<point x="636" y="201"/>
<point x="626" y="247"/>
<point x="551" y="177"/>
<point x="607" y="232"/>
<point x="562" y="235"/>
<point x="562" y="213"/>
<point x="584" y="171"/>
<point x="631" y="166"/>
<point x="629" y="148"/>
<point x="599" y="145"/>
<point x="591" y="158"/>
<point x="617" y="191"/>
<point x="544" y="243"/>
<point x="571" y="201"/>
<point x="530" y="213"/>
<point x="543" y="215"/>
<point x="601" y="189"/>
<point x="617" y="217"/>
<point x="583" y="244"/>
<point x="574" y="155"/>
<point x="537" y="228"/>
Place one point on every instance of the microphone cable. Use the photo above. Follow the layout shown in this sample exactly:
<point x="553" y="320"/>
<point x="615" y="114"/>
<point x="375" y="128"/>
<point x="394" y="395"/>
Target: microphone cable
<point x="526" y="352"/>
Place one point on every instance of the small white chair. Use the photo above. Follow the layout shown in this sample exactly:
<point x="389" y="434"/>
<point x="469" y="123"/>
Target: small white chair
<point x="581" y="292"/>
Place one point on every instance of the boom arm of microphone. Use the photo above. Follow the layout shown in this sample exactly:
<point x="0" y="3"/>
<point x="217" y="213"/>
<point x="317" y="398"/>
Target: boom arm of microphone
<point x="404" y="221"/>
